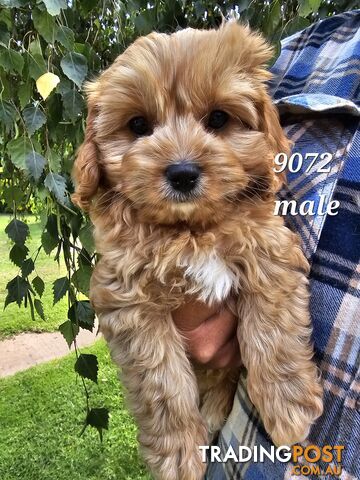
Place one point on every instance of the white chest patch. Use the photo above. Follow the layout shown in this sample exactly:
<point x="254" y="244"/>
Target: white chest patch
<point x="213" y="279"/>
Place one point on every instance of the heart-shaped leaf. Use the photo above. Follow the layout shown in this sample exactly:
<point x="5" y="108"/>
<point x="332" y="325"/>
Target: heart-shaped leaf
<point x="17" y="290"/>
<point x="57" y="185"/>
<point x="45" y="25"/>
<point x="74" y="65"/>
<point x="17" y="231"/>
<point x="69" y="331"/>
<point x="99" y="419"/>
<point x="35" y="164"/>
<point x="34" y="119"/>
<point x="7" y="113"/>
<point x="18" y="253"/>
<point x="87" y="366"/>
<point x="73" y="104"/>
<point x="39" y="308"/>
<point x="39" y="285"/>
<point x="54" y="6"/>
<point x="60" y="288"/>
<point x="18" y="150"/>
<point x="11" y="61"/>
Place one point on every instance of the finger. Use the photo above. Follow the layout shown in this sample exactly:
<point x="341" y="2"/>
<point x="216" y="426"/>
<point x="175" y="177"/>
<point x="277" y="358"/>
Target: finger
<point x="211" y="336"/>
<point x="192" y="314"/>
<point x="227" y="357"/>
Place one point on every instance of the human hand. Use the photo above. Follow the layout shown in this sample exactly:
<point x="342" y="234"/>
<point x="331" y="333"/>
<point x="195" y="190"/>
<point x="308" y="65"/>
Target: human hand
<point x="210" y="334"/>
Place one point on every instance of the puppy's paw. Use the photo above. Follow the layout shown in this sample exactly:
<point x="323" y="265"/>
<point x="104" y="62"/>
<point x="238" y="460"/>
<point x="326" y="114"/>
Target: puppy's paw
<point x="176" y="456"/>
<point x="294" y="408"/>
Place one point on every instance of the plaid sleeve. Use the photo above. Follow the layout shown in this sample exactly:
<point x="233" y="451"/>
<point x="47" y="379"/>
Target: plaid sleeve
<point x="317" y="90"/>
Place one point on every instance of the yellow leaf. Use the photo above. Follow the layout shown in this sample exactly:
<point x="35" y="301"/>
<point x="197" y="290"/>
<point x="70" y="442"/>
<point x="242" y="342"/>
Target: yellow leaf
<point x="46" y="84"/>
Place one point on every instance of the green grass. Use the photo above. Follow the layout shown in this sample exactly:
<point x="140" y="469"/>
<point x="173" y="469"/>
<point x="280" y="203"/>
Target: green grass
<point x="41" y="416"/>
<point x="13" y="319"/>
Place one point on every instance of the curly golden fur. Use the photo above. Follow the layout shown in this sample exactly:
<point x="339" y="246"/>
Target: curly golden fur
<point x="158" y="248"/>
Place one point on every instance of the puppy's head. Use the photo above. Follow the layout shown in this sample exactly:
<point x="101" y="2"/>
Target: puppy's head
<point x="181" y="126"/>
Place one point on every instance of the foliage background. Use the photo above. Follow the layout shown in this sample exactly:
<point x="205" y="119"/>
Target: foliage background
<point x="39" y="135"/>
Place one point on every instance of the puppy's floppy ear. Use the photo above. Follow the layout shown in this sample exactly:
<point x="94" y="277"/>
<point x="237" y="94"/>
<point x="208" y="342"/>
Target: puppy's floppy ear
<point x="246" y="48"/>
<point x="270" y="125"/>
<point x="86" y="170"/>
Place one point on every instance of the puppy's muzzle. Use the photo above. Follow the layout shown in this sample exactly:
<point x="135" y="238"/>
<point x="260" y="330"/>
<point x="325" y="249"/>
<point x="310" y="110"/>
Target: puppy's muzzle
<point x="183" y="177"/>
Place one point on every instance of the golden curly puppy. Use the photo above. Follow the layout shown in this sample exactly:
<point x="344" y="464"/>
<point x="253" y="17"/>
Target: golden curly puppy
<point x="176" y="169"/>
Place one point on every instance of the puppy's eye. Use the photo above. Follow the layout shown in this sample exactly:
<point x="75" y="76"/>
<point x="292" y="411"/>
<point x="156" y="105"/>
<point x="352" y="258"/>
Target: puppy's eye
<point x="140" y="126"/>
<point x="217" y="119"/>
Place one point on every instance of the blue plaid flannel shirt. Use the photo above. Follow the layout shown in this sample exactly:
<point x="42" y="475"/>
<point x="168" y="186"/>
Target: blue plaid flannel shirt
<point x="316" y="87"/>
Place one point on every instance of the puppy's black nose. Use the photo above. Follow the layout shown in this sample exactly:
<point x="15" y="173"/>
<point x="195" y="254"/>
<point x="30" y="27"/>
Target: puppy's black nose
<point x="183" y="177"/>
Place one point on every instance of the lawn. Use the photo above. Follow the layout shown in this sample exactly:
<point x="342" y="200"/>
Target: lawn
<point x="14" y="319"/>
<point x="41" y="417"/>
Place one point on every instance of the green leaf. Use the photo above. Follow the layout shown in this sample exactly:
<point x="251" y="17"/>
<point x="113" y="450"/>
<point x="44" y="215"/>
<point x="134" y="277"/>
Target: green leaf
<point x="17" y="290"/>
<point x="18" y="253"/>
<point x="84" y="259"/>
<point x="17" y="231"/>
<point x="54" y="117"/>
<point x="24" y="93"/>
<point x="75" y="224"/>
<point x="60" y="288"/>
<point x="87" y="239"/>
<point x="64" y="86"/>
<point x="273" y="18"/>
<point x="87" y="5"/>
<point x="277" y="49"/>
<point x="69" y="331"/>
<point x="4" y="35"/>
<point x="6" y="16"/>
<point x="99" y="419"/>
<point x="37" y="65"/>
<point x="34" y="119"/>
<point x="27" y="267"/>
<point x="48" y="242"/>
<point x="73" y="105"/>
<point x="200" y="9"/>
<point x="12" y="194"/>
<point x="38" y="285"/>
<point x="52" y="226"/>
<point x="66" y="37"/>
<point x="7" y="113"/>
<point x="242" y="5"/>
<point x="295" y="25"/>
<point x="18" y="150"/>
<point x="74" y="65"/>
<point x="45" y="25"/>
<point x="12" y="3"/>
<point x="39" y="308"/>
<point x="35" y="164"/>
<point x="92" y="57"/>
<point x="6" y="85"/>
<point x="54" y="6"/>
<point x="81" y="279"/>
<point x="57" y="185"/>
<point x="81" y="313"/>
<point x="54" y="160"/>
<point x="145" y="21"/>
<point x="11" y="61"/>
<point x="308" y="6"/>
<point x="86" y="366"/>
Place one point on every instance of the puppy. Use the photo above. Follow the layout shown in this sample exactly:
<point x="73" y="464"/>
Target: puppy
<point x="177" y="172"/>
